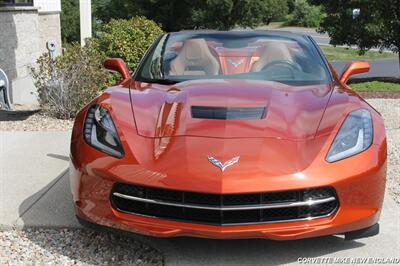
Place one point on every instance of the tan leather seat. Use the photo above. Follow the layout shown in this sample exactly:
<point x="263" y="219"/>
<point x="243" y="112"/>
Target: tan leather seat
<point x="273" y="51"/>
<point x="194" y="58"/>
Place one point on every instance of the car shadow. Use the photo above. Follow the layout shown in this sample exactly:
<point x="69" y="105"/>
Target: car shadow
<point x="191" y="251"/>
<point x="58" y="156"/>
<point x="53" y="209"/>
<point x="6" y="115"/>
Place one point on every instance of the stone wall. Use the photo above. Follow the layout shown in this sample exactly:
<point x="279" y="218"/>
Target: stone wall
<point x="23" y="35"/>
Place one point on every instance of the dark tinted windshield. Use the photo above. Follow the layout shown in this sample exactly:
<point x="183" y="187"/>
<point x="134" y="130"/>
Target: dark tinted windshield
<point x="185" y="56"/>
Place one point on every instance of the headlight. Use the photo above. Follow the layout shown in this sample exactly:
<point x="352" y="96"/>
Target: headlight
<point x="354" y="136"/>
<point x="100" y="132"/>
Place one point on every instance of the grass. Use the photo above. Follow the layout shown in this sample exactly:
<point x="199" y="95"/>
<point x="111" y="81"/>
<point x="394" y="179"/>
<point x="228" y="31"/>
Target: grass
<point x="275" y="25"/>
<point x="339" y="53"/>
<point x="376" y="86"/>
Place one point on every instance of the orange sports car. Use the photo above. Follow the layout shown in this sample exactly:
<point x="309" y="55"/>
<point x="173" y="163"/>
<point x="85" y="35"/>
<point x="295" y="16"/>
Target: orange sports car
<point x="241" y="134"/>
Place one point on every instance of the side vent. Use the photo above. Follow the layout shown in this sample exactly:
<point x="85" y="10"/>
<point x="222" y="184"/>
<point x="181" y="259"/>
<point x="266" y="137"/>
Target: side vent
<point x="224" y="113"/>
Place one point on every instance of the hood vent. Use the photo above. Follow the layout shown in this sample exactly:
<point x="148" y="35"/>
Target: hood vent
<point x="224" y="113"/>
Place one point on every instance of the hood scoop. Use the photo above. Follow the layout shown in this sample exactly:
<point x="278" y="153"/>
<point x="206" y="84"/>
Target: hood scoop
<point x="224" y="113"/>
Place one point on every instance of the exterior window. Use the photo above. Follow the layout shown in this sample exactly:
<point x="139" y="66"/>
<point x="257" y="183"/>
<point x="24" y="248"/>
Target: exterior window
<point x="16" y="2"/>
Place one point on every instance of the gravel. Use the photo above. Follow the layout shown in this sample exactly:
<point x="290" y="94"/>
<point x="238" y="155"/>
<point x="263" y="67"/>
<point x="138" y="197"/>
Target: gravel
<point x="32" y="121"/>
<point x="73" y="247"/>
<point x="390" y="110"/>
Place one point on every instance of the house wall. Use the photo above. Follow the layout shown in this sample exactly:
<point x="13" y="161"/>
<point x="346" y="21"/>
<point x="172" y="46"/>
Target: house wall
<point x="24" y="32"/>
<point x="49" y="23"/>
<point x="49" y="29"/>
<point x="19" y="49"/>
<point x="48" y="5"/>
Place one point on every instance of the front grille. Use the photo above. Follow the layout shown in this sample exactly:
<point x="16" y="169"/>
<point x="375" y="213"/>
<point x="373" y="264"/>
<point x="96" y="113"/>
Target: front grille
<point x="224" y="209"/>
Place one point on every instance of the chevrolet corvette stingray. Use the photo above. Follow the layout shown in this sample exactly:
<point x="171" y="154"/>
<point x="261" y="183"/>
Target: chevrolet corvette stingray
<point x="239" y="134"/>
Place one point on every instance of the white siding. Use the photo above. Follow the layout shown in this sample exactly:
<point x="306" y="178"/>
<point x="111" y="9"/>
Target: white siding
<point x="48" y="5"/>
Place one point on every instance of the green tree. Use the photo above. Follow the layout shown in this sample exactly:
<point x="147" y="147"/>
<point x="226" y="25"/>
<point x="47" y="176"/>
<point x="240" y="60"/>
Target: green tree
<point x="105" y="10"/>
<point x="175" y="15"/>
<point x="378" y="24"/>
<point x="70" y="28"/>
<point x="306" y="15"/>
<point x="70" y="31"/>
<point x="226" y="14"/>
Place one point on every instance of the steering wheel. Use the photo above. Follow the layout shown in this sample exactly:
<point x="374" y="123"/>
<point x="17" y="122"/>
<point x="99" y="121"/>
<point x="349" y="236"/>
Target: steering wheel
<point x="292" y="66"/>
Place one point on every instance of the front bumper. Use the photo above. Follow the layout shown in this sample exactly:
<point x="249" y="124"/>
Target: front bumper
<point x="360" y="193"/>
<point x="338" y="224"/>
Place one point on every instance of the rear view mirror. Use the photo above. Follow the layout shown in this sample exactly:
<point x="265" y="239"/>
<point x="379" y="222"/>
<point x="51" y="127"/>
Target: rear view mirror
<point x="354" y="68"/>
<point x="118" y="65"/>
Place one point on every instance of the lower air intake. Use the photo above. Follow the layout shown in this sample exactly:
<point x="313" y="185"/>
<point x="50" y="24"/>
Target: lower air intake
<point x="225" y="209"/>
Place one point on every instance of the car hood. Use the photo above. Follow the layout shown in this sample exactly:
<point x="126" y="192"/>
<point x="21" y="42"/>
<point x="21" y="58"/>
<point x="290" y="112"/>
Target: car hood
<point x="229" y="109"/>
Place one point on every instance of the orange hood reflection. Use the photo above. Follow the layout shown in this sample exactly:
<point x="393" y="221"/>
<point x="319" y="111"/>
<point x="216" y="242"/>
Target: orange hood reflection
<point x="292" y="112"/>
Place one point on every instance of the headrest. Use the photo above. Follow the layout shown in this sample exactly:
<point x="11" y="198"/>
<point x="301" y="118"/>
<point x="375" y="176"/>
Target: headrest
<point x="195" y="49"/>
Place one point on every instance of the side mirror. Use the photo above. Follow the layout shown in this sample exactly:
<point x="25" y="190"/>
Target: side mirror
<point x="354" y="68"/>
<point x="118" y="65"/>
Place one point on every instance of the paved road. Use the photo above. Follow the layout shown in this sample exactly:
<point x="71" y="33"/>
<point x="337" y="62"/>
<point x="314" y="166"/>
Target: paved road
<point x="35" y="192"/>
<point x="320" y="38"/>
<point x="379" y="68"/>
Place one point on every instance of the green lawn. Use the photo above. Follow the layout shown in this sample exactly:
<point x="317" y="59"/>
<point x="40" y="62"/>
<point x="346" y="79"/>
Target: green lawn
<point x="338" y="53"/>
<point x="376" y="86"/>
<point x="275" y="25"/>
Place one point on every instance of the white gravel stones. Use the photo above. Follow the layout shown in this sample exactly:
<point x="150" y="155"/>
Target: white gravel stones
<point x="390" y="110"/>
<point x="73" y="247"/>
<point x="36" y="122"/>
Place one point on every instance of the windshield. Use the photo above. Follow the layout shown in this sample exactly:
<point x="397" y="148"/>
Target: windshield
<point x="281" y="57"/>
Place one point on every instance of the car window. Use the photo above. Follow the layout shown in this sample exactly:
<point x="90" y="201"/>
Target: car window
<point x="235" y="55"/>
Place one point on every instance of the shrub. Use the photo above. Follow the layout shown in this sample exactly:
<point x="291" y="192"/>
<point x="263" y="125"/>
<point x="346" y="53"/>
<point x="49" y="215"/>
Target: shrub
<point x="70" y="81"/>
<point x="128" y="39"/>
<point x="306" y="15"/>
